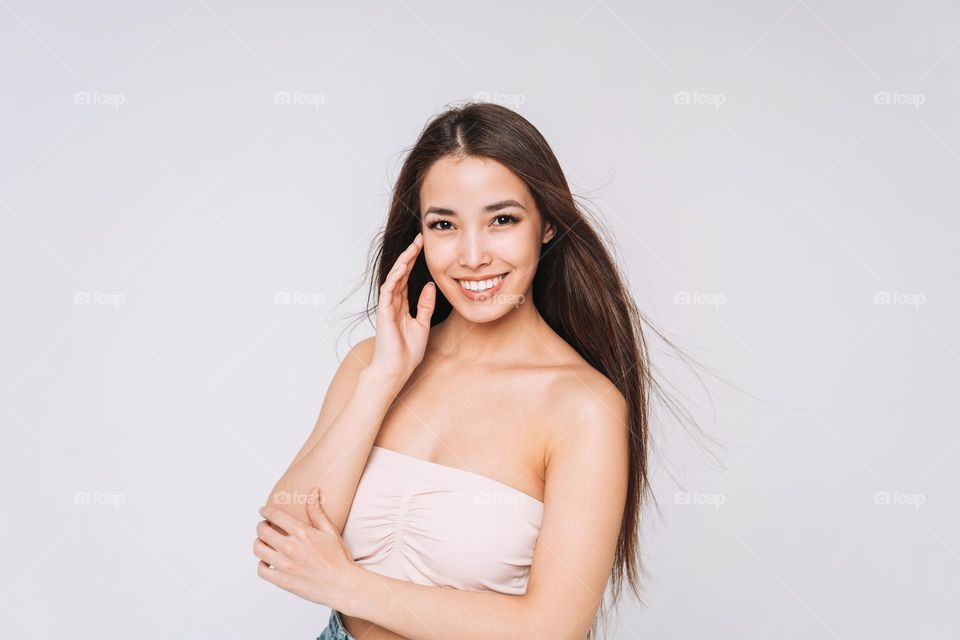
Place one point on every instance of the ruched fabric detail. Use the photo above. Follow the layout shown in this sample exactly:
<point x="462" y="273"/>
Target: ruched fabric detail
<point x="437" y="525"/>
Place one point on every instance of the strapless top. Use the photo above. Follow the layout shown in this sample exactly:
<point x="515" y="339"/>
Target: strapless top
<point x="436" y="525"/>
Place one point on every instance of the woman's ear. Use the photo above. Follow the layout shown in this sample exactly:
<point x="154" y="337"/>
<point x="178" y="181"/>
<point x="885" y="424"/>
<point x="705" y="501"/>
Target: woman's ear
<point x="548" y="233"/>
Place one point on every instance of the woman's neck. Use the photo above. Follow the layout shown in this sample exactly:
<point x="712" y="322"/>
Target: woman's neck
<point x="515" y="335"/>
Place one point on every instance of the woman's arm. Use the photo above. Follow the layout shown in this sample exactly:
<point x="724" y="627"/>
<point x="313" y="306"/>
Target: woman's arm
<point x="586" y="486"/>
<point x="336" y="452"/>
<point x="420" y="612"/>
<point x="363" y="389"/>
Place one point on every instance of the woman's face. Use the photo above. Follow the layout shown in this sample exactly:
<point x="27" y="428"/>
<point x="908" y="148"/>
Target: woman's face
<point x="480" y="228"/>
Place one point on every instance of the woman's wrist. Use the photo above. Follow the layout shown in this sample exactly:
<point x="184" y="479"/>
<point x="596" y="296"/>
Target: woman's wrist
<point x="378" y="380"/>
<point x="353" y="594"/>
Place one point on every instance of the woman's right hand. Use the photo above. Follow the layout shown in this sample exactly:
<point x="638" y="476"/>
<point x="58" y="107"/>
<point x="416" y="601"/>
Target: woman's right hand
<point x="401" y="339"/>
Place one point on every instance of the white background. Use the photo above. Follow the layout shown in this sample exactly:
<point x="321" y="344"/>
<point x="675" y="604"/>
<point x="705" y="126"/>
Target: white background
<point x="147" y="169"/>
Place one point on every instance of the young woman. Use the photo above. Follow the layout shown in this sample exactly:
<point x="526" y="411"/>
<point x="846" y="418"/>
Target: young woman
<point x="481" y="462"/>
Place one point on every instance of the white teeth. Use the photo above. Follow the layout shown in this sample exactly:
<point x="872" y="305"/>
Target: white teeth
<point x="481" y="285"/>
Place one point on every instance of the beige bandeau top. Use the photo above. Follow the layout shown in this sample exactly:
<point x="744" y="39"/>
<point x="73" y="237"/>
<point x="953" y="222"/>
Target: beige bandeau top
<point x="436" y="525"/>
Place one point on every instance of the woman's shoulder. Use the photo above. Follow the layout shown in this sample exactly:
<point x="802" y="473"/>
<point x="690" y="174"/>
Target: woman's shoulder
<point x="580" y="395"/>
<point x="589" y="419"/>
<point x="583" y="387"/>
<point x="572" y="376"/>
<point x="362" y="352"/>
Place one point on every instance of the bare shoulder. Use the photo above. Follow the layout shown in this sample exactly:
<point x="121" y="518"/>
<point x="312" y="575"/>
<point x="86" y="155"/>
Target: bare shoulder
<point x="338" y="392"/>
<point x="587" y="408"/>
<point x="587" y="482"/>
<point x="362" y="352"/>
<point x="345" y="381"/>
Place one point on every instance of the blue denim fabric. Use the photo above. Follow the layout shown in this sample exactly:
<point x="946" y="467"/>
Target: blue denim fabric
<point x="335" y="629"/>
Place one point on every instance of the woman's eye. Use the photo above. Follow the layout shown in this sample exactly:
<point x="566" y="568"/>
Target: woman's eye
<point x="502" y="221"/>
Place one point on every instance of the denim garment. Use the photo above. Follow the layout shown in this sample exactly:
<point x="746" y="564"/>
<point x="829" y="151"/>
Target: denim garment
<point x="335" y="629"/>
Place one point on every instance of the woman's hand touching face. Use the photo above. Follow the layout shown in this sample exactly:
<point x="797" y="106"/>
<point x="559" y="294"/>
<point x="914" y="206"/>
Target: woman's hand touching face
<point x="401" y="339"/>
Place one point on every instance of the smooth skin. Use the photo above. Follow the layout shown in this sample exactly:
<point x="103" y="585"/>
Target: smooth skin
<point x="493" y="390"/>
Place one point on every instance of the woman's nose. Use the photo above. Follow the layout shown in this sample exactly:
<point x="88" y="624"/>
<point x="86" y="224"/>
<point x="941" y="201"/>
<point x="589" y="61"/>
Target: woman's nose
<point x="473" y="250"/>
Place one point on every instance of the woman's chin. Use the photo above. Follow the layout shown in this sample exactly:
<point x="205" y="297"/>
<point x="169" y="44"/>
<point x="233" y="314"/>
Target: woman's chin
<point x="484" y="311"/>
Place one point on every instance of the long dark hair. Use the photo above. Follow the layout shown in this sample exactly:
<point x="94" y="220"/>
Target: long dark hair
<point x="577" y="289"/>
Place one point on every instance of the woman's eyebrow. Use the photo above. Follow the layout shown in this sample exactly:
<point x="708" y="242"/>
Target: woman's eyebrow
<point x="503" y="204"/>
<point x="496" y="206"/>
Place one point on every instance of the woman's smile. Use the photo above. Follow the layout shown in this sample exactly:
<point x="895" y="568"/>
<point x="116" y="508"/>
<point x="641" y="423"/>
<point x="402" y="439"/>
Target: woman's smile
<point x="477" y="289"/>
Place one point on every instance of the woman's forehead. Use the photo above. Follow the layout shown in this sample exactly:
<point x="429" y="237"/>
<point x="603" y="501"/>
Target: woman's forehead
<point x="471" y="183"/>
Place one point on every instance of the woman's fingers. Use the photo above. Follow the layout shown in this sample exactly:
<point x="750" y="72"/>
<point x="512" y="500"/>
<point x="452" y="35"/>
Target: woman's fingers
<point x="387" y="289"/>
<point x="404" y="300"/>
<point x="405" y="279"/>
<point x="269" y="535"/>
<point x="282" y="519"/>
<point x="401" y="290"/>
<point x="265" y="552"/>
<point x="426" y="304"/>
<point x="268" y="574"/>
<point x="396" y="280"/>
<point x="409" y="254"/>
<point x="414" y="250"/>
<point x="399" y="266"/>
<point x="388" y="295"/>
<point x="406" y="256"/>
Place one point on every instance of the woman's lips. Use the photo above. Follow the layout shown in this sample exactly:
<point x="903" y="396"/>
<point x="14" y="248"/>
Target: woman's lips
<point x="477" y="296"/>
